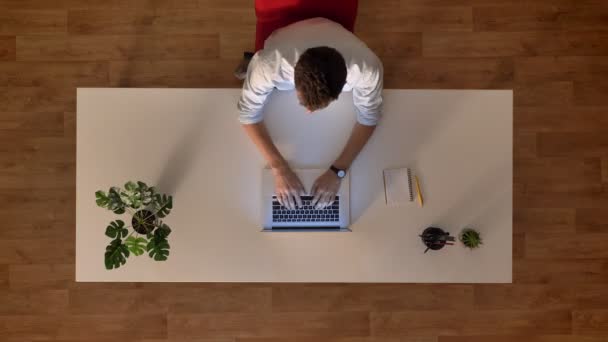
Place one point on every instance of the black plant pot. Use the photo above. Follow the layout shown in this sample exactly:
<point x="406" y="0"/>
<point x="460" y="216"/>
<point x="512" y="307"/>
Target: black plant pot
<point x="435" y="238"/>
<point x="143" y="221"/>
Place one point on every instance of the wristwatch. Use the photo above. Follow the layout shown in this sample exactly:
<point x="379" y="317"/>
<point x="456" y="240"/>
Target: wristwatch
<point x="339" y="172"/>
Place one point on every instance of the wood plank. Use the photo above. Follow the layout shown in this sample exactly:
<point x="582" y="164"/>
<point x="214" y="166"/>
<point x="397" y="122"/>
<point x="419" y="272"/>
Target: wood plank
<point x="399" y="4"/>
<point x="3" y="277"/>
<point x="558" y="174"/>
<point x="40" y="276"/>
<point x="519" y="245"/>
<point x="556" y="94"/>
<point x="539" y="17"/>
<point x="590" y="322"/>
<point x="28" y="327"/>
<point x="567" y="246"/>
<point x="50" y="151"/>
<point x="591" y="220"/>
<point x="8" y="48"/>
<point x="504" y="44"/>
<point x="292" y="324"/>
<point x="184" y="300"/>
<point x="573" y="144"/>
<point x="37" y="251"/>
<point x="593" y="296"/>
<point x="200" y="74"/>
<point x="339" y="339"/>
<point x="591" y="93"/>
<point x="30" y="123"/>
<point x="543" y="197"/>
<point x="524" y="297"/>
<point x="415" y="19"/>
<point x="524" y="144"/>
<point x="544" y="220"/>
<point x="561" y="271"/>
<point x="94" y="4"/>
<point x="337" y="298"/>
<point x="527" y="338"/>
<point x="158" y="22"/>
<point x="37" y="99"/>
<point x="560" y="119"/>
<point x="481" y="322"/>
<point x="560" y="68"/>
<point x="234" y="42"/>
<point x="15" y="22"/>
<point x="44" y="302"/>
<point x="394" y="44"/>
<point x="605" y="170"/>
<point x="49" y="74"/>
<point x="116" y="326"/>
<point x="450" y="73"/>
<point x="117" y="47"/>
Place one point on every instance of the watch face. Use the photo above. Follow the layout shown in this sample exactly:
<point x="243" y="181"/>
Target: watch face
<point x="341" y="173"/>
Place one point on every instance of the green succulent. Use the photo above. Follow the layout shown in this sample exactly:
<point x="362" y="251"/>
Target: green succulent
<point x="146" y="207"/>
<point x="470" y="238"/>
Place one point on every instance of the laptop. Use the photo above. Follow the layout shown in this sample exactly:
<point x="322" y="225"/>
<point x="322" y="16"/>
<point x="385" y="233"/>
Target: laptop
<point x="277" y="218"/>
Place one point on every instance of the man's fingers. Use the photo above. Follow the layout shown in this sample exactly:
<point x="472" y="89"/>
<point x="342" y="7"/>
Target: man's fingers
<point x="320" y="203"/>
<point x="279" y="199"/>
<point x="313" y="189"/>
<point x="291" y="201"/>
<point x="296" y="195"/>
<point x="317" y="196"/>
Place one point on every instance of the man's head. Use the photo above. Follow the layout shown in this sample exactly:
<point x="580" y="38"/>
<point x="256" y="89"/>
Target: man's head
<point x="320" y="75"/>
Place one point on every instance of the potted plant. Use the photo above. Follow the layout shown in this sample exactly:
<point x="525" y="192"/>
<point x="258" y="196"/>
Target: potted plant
<point x="470" y="238"/>
<point x="149" y="233"/>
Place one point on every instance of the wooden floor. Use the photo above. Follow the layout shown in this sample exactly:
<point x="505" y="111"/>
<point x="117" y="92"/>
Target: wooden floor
<point x="551" y="52"/>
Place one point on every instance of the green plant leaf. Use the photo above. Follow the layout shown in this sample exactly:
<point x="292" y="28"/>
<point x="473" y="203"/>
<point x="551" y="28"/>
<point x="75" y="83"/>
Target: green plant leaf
<point x="116" y="254"/>
<point x="116" y="204"/>
<point x="130" y="186"/>
<point x="146" y="193"/>
<point x="163" y="204"/>
<point x="137" y="245"/>
<point x="102" y="199"/>
<point x="116" y="230"/>
<point x="163" y="231"/>
<point x="158" y="248"/>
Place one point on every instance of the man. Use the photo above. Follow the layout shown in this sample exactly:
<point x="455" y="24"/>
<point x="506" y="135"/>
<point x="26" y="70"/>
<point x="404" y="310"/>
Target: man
<point x="320" y="59"/>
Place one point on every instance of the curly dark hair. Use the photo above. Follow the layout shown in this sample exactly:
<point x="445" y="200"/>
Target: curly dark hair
<point x="320" y="74"/>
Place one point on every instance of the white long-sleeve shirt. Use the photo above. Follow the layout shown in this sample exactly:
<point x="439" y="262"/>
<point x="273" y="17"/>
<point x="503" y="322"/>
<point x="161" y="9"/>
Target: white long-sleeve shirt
<point x="273" y="67"/>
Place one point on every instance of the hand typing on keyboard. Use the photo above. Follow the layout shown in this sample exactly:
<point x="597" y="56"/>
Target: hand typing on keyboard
<point x="288" y="187"/>
<point x="324" y="190"/>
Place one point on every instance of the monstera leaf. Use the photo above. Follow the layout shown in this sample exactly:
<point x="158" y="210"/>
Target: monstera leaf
<point x="116" y="254"/>
<point x="164" y="204"/>
<point x="117" y="230"/>
<point x="135" y="245"/>
<point x="158" y="248"/>
<point x="110" y="201"/>
<point x="163" y="231"/>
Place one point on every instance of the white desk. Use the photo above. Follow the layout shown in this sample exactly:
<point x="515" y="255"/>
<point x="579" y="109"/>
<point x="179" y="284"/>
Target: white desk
<point x="189" y="143"/>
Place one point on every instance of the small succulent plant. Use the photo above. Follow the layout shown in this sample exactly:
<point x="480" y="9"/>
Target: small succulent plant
<point x="149" y="233"/>
<point x="470" y="238"/>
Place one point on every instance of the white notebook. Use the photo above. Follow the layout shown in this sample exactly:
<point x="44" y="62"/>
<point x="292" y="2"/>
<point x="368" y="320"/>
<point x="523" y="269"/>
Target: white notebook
<point x="398" y="186"/>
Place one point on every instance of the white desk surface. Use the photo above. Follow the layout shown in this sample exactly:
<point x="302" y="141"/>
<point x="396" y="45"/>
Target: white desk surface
<point x="189" y="143"/>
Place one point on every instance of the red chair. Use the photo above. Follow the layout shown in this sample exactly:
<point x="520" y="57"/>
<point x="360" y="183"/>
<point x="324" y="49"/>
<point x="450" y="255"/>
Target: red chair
<point x="274" y="14"/>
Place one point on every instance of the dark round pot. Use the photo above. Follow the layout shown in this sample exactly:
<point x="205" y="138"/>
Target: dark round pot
<point x="143" y="221"/>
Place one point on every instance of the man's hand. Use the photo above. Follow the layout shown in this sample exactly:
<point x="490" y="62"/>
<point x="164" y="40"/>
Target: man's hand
<point x="288" y="187"/>
<point x="325" y="189"/>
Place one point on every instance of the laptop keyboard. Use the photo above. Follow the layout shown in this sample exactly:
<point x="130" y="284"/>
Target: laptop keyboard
<point x="305" y="213"/>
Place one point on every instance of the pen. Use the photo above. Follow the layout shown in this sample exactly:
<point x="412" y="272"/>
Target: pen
<point x="419" y="192"/>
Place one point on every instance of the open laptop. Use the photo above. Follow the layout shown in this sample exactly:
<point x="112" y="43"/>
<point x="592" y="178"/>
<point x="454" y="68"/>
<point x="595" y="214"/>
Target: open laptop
<point x="277" y="218"/>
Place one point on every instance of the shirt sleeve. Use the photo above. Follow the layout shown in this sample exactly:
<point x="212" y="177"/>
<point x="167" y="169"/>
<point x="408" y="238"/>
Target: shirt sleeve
<point x="257" y="86"/>
<point x="367" y="95"/>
